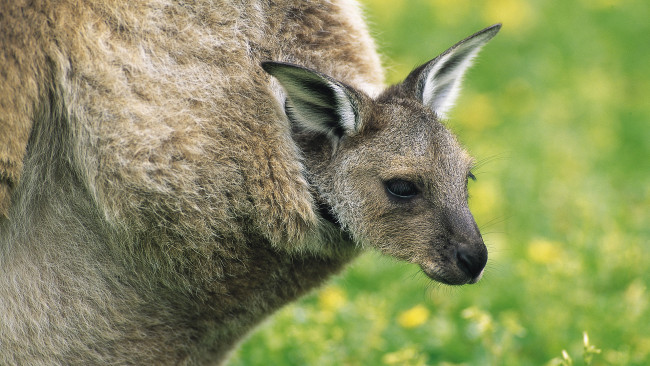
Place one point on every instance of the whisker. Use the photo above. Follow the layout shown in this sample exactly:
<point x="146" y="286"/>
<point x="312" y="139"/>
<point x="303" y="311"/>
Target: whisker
<point x="495" y="221"/>
<point x="478" y="167"/>
<point x="480" y="163"/>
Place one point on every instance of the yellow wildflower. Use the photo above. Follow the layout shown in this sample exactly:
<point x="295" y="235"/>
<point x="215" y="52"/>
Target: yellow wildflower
<point x="405" y="356"/>
<point x="413" y="317"/>
<point x="544" y="251"/>
<point x="331" y="298"/>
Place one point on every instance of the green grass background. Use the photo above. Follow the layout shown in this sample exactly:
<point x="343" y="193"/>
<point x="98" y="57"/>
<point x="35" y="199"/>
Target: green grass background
<point x="557" y="112"/>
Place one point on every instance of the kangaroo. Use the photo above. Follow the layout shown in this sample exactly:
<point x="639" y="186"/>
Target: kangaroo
<point x="172" y="173"/>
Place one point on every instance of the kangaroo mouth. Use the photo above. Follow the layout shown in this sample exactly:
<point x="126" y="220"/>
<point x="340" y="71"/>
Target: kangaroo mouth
<point x="444" y="277"/>
<point x="437" y="274"/>
<point x="454" y="273"/>
<point x="461" y="262"/>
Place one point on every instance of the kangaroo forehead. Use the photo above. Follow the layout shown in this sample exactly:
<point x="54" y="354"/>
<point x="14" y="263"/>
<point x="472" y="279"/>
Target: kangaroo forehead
<point x="408" y="163"/>
<point x="418" y="140"/>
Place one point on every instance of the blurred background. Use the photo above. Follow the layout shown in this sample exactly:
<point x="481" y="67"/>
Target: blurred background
<point x="556" y="111"/>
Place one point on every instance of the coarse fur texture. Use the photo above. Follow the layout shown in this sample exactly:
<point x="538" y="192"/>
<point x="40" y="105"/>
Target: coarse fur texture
<point x="161" y="194"/>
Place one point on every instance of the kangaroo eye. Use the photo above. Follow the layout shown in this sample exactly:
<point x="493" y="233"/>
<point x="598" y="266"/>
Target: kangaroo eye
<point x="401" y="188"/>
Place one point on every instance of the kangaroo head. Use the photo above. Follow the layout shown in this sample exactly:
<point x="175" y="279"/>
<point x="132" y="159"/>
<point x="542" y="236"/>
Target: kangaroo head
<point x="386" y="168"/>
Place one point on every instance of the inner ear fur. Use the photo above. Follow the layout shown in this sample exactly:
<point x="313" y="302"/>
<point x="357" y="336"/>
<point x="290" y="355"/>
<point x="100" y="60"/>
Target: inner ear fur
<point x="317" y="102"/>
<point x="437" y="83"/>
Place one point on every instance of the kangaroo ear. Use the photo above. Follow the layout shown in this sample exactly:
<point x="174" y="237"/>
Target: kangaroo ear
<point x="437" y="83"/>
<point x="316" y="101"/>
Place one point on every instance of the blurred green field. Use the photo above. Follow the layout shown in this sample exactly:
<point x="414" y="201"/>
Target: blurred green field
<point x="557" y="112"/>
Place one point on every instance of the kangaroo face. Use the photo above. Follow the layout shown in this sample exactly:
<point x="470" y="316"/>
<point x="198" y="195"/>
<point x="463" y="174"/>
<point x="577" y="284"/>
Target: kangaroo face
<point x="402" y="187"/>
<point x="388" y="171"/>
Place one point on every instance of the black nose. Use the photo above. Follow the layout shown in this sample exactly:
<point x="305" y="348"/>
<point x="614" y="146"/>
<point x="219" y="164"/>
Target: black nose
<point x="472" y="259"/>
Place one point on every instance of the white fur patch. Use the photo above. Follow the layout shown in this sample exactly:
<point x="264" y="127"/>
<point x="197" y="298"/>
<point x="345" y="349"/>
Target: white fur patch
<point x="345" y="109"/>
<point x="440" y="91"/>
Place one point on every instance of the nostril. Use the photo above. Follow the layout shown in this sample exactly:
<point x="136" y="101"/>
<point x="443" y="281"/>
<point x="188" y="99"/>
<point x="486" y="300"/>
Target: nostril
<point x="469" y="262"/>
<point x="464" y="262"/>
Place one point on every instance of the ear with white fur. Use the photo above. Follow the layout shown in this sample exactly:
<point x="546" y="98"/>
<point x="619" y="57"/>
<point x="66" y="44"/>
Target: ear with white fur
<point x="316" y="101"/>
<point x="437" y="83"/>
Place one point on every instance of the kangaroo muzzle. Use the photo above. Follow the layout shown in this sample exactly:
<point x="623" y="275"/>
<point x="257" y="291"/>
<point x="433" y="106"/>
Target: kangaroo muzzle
<point x="465" y="238"/>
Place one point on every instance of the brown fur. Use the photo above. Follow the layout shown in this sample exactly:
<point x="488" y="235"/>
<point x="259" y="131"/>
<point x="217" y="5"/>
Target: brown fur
<point x="158" y="203"/>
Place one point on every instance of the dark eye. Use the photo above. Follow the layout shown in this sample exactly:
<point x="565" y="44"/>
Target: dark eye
<point x="401" y="188"/>
<point x="471" y="176"/>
